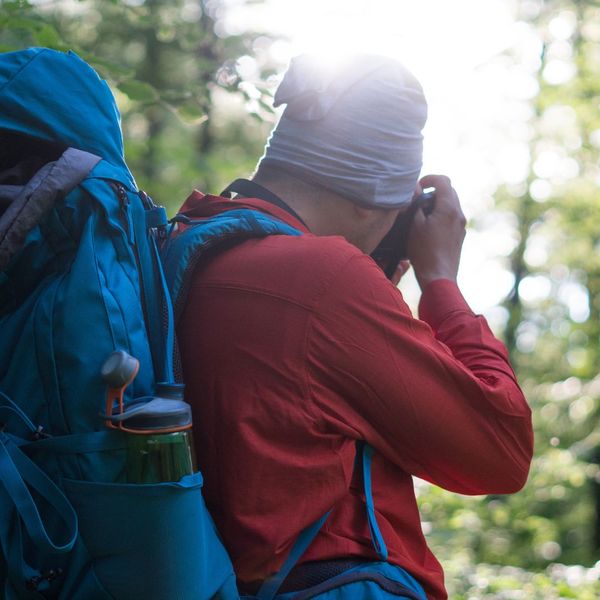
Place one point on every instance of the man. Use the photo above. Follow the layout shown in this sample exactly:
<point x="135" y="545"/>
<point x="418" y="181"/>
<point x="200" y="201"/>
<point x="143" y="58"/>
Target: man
<point x="296" y="347"/>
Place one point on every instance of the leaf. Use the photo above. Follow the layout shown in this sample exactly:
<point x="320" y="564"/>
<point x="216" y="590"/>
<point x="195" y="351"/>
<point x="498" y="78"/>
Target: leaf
<point x="266" y="106"/>
<point x="106" y="68"/>
<point x="191" y="113"/>
<point x="139" y="91"/>
<point x="175" y="95"/>
<point x="47" y="36"/>
<point x="256" y="117"/>
<point x="21" y="23"/>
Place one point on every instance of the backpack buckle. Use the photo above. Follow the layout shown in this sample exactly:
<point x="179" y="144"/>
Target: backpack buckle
<point x="40" y="434"/>
<point x="33" y="583"/>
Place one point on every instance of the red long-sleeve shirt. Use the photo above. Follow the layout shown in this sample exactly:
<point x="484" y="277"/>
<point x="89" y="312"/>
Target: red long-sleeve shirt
<point x="295" y="347"/>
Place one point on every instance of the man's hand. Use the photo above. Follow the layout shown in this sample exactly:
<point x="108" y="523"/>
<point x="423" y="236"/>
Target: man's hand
<point x="435" y="240"/>
<point x="401" y="270"/>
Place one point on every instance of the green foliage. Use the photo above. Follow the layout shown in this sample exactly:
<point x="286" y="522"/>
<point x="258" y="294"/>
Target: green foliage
<point x="21" y="26"/>
<point x="466" y="581"/>
<point x="138" y="91"/>
<point x="553" y="335"/>
<point x="170" y="72"/>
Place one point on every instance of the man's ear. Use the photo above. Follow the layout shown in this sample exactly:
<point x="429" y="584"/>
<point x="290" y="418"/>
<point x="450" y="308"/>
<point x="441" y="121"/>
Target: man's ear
<point x="362" y="213"/>
<point x="376" y="216"/>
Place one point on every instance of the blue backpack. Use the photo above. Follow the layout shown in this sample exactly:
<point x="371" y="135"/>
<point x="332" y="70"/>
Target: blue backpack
<point x="81" y="277"/>
<point x="88" y="266"/>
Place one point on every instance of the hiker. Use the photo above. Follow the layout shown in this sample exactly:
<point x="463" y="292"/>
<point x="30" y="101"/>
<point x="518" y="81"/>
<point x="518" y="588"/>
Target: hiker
<point x="297" y="350"/>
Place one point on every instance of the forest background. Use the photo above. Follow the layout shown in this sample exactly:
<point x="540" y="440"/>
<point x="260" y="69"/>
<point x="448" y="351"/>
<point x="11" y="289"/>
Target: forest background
<point x="195" y="90"/>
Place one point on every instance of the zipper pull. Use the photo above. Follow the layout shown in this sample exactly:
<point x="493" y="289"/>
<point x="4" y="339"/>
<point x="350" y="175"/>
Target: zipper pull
<point x="124" y="199"/>
<point x="159" y="221"/>
<point x="146" y="200"/>
<point x="122" y="194"/>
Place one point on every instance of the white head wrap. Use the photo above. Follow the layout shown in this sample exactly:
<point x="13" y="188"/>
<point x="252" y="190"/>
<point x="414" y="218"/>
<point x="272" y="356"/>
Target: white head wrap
<point x="355" y="130"/>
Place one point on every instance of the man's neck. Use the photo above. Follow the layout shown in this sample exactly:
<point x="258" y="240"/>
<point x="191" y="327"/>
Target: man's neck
<point x="327" y="213"/>
<point x="309" y="201"/>
<point x="290" y="189"/>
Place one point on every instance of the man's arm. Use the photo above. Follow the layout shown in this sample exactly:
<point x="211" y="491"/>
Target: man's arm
<point x="440" y="400"/>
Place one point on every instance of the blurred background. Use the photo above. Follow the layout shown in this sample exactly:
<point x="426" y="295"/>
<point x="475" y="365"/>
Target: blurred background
<point x="514" y="103"/>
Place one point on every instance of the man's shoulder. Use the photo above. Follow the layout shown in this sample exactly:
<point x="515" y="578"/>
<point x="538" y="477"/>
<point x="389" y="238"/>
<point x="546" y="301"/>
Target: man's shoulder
<point x="301" y="268"/>
<point x="318" y="257"/>
<point x="324" y="250"/>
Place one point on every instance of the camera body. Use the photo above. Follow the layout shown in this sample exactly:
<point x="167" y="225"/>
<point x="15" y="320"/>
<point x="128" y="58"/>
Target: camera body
<point x="393" y="247"/>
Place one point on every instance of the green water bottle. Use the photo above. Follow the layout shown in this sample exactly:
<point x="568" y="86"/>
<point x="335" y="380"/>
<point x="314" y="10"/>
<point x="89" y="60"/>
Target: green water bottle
<point x="159" y="441"/>
<point x="160" y="446"/>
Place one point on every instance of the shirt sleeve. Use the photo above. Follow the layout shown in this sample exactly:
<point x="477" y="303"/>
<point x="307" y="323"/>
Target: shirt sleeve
<point x="436" y="396"/>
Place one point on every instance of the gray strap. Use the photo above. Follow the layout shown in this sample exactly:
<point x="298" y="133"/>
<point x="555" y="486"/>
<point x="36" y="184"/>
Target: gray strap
<point x="9" y="193"/>
<point x="35" y="200"/>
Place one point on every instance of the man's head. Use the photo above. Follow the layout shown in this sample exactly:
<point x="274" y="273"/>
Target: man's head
<point x="353" y="134"/>
<point x="354" y="128"/>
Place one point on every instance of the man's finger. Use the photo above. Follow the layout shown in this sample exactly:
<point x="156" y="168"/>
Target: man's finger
<point x="446" y="198"/>
<point x="401" y="269"/>
<point x="437" y="181"/>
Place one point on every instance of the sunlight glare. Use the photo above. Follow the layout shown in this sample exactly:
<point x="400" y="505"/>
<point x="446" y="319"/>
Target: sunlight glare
<point x="477" y="97"/>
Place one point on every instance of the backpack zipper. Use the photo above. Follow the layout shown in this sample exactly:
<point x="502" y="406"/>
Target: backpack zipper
<point x="124" y="200"/>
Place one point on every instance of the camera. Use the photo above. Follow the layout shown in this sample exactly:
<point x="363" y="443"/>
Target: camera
<point x="393" y="247"/>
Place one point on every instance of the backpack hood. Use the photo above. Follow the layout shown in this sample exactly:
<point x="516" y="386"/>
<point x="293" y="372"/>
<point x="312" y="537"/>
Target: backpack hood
<point x="57" y="97"/>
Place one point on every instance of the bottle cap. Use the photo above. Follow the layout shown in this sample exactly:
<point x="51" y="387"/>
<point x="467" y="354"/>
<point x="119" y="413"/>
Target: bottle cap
<point x="119" y="369"/>
<point x="152" y="413"/>
<point x="173" y="391"/>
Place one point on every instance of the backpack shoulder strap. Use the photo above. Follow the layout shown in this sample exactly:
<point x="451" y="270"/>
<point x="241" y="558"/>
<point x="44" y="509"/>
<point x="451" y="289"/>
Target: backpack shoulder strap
<point x="183" y="250"/>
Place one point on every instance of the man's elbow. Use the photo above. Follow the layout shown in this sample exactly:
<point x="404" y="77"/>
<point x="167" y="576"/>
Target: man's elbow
<point x="512" y="482"/>
<point x="511" y="469"/>
<point x="502" y="464"/>
<point x="497" y="480"/>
